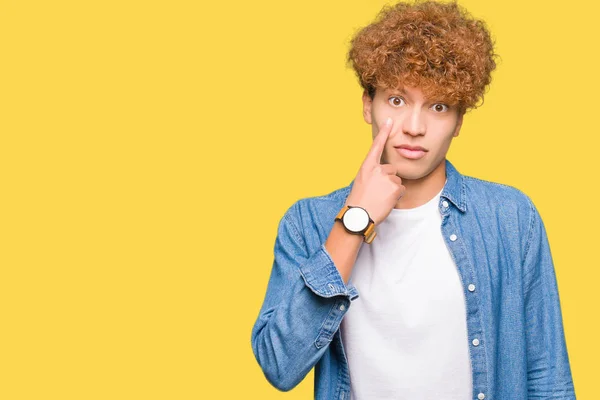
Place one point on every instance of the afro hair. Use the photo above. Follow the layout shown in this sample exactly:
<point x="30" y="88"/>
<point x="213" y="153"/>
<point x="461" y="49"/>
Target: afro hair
<point x="435" y="46"/>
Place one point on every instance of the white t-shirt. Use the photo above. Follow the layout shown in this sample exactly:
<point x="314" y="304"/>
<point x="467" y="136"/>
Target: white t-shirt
<point x="405" y="336"/>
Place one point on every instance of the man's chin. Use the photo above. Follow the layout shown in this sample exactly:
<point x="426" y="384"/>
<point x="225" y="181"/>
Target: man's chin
<point x="412" y="174"/>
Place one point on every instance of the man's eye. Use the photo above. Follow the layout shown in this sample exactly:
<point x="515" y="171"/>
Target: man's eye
<point x="439" y="107"/>
<point x="396" y="101"/>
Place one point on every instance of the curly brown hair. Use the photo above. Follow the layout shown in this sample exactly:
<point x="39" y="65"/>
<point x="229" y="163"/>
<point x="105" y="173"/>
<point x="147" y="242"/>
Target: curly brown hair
<point x="435" y="46"/>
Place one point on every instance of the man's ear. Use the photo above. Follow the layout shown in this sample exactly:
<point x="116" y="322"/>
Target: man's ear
<point x="459" y="123"/>
<point x="367" y="102"/>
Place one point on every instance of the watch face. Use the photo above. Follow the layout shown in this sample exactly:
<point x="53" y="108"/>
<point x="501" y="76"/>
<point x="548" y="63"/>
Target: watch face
<point x="356" y="219"/>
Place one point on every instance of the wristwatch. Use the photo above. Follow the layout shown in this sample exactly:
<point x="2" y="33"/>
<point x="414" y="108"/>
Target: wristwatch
<point x="356" y="220"/>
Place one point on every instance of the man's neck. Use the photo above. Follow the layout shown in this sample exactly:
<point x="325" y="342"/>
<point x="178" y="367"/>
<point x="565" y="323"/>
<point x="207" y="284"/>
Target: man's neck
<point x="420" y="191"/>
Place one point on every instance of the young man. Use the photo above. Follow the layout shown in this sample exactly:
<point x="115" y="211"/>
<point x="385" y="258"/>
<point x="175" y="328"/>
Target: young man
<point x="415" y="281"/>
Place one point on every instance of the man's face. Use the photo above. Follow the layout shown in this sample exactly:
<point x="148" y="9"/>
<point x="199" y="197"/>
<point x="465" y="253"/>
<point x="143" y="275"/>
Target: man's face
<point x="418" y="121"/>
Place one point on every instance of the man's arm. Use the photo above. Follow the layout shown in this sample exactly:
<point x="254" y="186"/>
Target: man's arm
<point x="548" y="369"/>
<point x="305" y="302"/>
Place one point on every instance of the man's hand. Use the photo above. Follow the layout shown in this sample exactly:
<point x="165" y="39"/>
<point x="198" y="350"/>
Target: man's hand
<point x="376" y="187"/>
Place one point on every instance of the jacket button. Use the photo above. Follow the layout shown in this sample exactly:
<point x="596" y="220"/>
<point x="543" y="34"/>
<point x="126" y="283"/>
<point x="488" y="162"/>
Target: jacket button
<point x="453" y="237"/>
<point x="481" y="396"/>
<point x="471" y="288"/>
<point x="342" y="307"/>
<point x="445" y="203"/>
<point x="475" y="342"/>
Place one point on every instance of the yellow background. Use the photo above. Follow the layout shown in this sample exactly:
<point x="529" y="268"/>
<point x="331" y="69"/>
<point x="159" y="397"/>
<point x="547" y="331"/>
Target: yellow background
<point x="149" y="149"/>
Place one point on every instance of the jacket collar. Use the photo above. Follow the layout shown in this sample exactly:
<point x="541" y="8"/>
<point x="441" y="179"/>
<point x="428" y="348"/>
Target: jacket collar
<point x="454" y="189"/>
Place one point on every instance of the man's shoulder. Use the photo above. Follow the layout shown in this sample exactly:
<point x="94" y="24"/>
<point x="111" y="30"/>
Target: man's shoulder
<point x="335" y="195"/>
<point x="317" y="206"/>
<point x="498" y="200"/>
<point x="496" y="195"/>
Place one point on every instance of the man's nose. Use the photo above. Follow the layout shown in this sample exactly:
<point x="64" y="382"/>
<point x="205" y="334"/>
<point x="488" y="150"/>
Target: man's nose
<point x="414" y="122"/>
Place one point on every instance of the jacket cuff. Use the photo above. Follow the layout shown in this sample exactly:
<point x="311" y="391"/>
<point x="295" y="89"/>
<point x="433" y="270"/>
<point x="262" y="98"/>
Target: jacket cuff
<point x="323" y="278"/>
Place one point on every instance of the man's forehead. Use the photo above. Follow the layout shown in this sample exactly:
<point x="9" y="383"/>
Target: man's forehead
<point x="399" y="89"/>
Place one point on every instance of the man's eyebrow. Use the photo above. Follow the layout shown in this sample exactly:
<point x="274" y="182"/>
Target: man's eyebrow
<point x="401" y="91"/>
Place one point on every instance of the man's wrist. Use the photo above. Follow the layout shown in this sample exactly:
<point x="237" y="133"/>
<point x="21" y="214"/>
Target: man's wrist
<point x="368" y="233"/>
<point x="341" y="227"/>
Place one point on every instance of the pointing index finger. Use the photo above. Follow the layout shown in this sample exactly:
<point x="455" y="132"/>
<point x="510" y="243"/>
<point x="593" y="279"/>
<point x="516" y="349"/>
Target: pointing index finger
<point x="374" y="155"/>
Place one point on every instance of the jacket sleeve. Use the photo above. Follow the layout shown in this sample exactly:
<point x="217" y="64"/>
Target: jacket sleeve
<point x="548" y="369"/>
<point x="305" y="302"/>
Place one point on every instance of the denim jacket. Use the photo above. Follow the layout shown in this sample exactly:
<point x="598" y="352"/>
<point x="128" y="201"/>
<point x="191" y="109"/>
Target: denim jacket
<point x="498" y="241"/>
